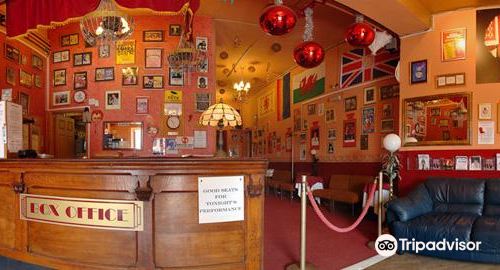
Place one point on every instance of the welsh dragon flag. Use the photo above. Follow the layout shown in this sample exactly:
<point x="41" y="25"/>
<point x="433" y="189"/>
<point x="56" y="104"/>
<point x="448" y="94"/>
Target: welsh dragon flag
<point x="309" y="83"/>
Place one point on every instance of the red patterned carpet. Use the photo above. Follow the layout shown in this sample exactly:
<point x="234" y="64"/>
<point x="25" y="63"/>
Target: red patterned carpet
<point x="326" y="249"/>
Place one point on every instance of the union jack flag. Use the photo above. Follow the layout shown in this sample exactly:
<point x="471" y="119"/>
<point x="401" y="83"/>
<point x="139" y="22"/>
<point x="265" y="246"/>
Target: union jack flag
<point x="359" y="65"/>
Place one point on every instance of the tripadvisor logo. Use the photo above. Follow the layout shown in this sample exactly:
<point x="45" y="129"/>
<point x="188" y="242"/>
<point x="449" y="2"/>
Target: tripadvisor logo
<point x="386" y="245"/>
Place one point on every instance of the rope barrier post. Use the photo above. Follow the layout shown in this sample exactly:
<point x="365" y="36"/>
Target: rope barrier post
<point x="302" y="265"/>
<point x="380" y="206"/>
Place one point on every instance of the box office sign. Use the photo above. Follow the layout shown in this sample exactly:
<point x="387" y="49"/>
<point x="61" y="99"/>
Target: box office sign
<point x="221" y="199"/>
<point x="78" y="212"/>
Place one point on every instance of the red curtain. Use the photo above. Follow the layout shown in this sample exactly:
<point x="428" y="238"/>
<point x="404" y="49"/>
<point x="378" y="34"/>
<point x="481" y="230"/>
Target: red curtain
<point x="27" y="14"/>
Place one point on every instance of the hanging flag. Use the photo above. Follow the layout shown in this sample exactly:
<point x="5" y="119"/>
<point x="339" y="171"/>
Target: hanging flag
<point x="309" y="83"/>
<point x="359" y="65"/>
<point x="286" y="96"/>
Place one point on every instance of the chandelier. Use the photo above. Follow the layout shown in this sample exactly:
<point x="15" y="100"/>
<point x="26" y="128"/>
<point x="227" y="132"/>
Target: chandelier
<point x="106" y="24"/>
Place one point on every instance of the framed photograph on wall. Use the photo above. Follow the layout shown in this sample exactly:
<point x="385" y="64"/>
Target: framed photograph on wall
<point x="387" y="125"/>
<point x="24" y="101"/>
<point x="36" y="62"/>
<point x="202" y="82"/>
<point x="453" y="44"/>
<point x="424" y="162"/>
<point x="61" y="56"/>
<point x="369" y="95"/>
<point x="104" y="51"/>
<point x="418" y="71"/>
<point x="329" y="115"/>
<point x="10" y="75"/>
<point x="12" y="53"/>
<point x="350" y="104"/>
<point x="69" y="40"/>
<point x="350" y="133"/>
<point x="174" y="30"/>
<point x="82" y="59"/>
<point x="152" y="36"/>
<point x="152" y="82"/>
<point x="475" y="163"/>
<point x="113" y="100"/>
<point x="176" y="76"/>
<point x="485" y="111"/>
<point x="153" y="57"/>
<point x="311" y="109"/>
<point x="202" y="43"/>
<point x="202" y="101"/>
<point x="37" y="81"/>
<point x="80" y="80"/>
<point x="129" y="75"/>
<point x="60" y="98"/>
<point x="104" y="74"/>
<point x="142" y="105"/>
<point x="461" y="163"/>
<point x="25" y="78"/>
<point x="60" y="77"/>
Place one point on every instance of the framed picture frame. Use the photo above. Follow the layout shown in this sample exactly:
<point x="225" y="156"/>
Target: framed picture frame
<point x="25" y="78"/>
<point x="104" y="51"/>
<point x="424" y="162"/>
<point x="7" y="94"/>
<point x="368" y="120"/>
<point x="387" y="110"/>
<point x="418" y="71"/>
<point x="152" y="82"/>
<point x="174" y="30"/>
<point x="475" y="163"/>
<point x="329" y="115"/>
<point x="202" y="82"/>
<point x="125" y="52"/>
<point x="80" y="80"/>
<point x="369" y="96"/>
<point x="129" y="75"/>
<point x="350" y="104"/>
<point x="24" y="101"/>
<point x="10" y="76"/>
<point x="387" y="125"/>
<point x="37" y="81"/>
<point x="36" y="62"/>
<point x="153" y="58"/>
<point x="202" y="101"/>
<point x="12" y="53"/>
<point x="203" y="66"/>
<point x="141" y="105"/>
<point x="60" y="56"/>
<point x="202" y="44"/>
<point x="79" y="96"/>
<point x="349" y="133"/>
<point x="453" y="44"/>
<point x="311" y="109"/>
<point x="452" y="79"/>
<point x="485" y="111"/>
<point x="104" y="74"/>
<point x="59" y="77"/>
<point x="61" y="98"/>
<point x="112" y="100"/>
<point x="82" y="59"/>
<point x="175" y="76"/>
<point x="69" y="40"/>
<point x="332" y="134"/>
<point x="389" y="91"/>
<point x="153" y="36"/>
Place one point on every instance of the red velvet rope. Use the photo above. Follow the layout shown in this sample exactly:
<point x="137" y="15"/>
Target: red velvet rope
<point x="333" y="227"/>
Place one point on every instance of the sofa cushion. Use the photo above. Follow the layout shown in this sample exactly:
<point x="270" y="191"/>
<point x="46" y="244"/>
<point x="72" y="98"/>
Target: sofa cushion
<point x="457" y="195"/>
<point x="487" y="230"/>
<point x="492" y="198"/>
<point x="323" y="193"/>
<point x="339" y="182"/>
<point x="417" y="203"/>
<point x="436" y="226"/>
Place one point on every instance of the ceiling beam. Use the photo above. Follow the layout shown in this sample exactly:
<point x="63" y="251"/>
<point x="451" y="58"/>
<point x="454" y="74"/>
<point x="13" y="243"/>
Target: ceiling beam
<point x="403" y="17"/>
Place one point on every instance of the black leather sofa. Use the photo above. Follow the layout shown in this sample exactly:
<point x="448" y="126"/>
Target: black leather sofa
<point x="457" y="209"/>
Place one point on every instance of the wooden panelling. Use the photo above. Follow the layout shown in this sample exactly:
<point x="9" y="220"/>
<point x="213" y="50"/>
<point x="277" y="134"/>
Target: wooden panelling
<point x="8" y="211"/>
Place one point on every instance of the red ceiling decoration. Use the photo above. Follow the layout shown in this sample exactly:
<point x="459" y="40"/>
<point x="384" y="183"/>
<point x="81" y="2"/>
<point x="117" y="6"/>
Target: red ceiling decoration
<point x="28" y="14"/>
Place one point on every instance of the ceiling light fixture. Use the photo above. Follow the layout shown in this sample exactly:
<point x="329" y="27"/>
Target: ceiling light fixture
<point x="106" y="24"/>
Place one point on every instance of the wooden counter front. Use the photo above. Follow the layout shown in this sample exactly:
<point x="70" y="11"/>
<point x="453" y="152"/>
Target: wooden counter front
<point x="172" y="237"/>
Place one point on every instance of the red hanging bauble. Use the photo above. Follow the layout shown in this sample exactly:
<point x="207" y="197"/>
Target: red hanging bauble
<point x="277" y="20"/>
<point x="308" y="54"/>
<point x="360" y="34"/>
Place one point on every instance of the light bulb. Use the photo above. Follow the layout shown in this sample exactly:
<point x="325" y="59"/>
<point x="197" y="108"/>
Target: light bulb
<point x="125" y="27"/>
<point x="99" y="30"/>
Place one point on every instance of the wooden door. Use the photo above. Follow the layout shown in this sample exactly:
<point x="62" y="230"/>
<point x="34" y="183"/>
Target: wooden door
<point x="64" y="136"/>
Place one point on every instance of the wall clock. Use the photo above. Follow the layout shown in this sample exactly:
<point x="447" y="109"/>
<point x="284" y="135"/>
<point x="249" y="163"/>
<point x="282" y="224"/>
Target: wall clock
<point x="173" y="122"/>
<point x="79" y="96"/>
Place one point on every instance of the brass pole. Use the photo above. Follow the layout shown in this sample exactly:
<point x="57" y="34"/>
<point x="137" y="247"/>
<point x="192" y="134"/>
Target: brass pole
<point x="380" y="212"/>
<point x="303" y="224"/>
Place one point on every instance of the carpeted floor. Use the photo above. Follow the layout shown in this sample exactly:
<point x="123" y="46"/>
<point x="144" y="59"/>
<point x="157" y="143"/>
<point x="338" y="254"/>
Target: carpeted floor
<point x="416" y="262"/>
<point x="326" y="249"/>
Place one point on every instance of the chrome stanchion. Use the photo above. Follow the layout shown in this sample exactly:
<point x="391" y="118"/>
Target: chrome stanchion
<point x="302" y="265"/>
<point x="380" y="204"/>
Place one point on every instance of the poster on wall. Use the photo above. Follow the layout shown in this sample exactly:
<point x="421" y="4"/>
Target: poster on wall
<point x="171" y="146"/>
<point x="350" y="133"/>
<point x="297" y="120"/>
<point x="302" y="151"/>
<point x="331" y="148"/>
<point x="314" y="136"/>
<point x="486" y="132"/>
<point x="172" y="96"/>
<point x="487" y="46"/>
<point x="453" y="44"/>
<point x="125" y="52"/>
<point x="266" y="104"/>
<point x="368" y="120"/>
<point x="309" y="83"/>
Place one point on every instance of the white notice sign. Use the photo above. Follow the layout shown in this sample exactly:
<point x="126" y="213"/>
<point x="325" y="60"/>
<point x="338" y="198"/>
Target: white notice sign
<point x="221" y="199"/>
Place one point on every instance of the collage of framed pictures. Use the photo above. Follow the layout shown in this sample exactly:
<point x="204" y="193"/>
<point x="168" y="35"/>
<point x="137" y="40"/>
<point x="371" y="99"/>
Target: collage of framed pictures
<point x="152" y="82"/>
<point x="104" y="74"/>
<point x="59" y="77"/>
<point x="458" y="163"/>
<point x="82" y="59"/>
<point x="80" y="80"/>
<point x="176" y="77"/>
<point x="129" y="75"/>
<point x="453" y="79"/>
<point x="153" y="57"/>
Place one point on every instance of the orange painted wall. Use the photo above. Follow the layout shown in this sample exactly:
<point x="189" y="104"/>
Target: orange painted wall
<point x="428" y="46"/>
<point x="342" y="154"/>
<point x="203" y="27"/>
<point x="36" y="108"/>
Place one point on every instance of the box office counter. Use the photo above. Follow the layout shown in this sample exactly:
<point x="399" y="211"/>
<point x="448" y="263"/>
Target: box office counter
<point x="133" y="213"/>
